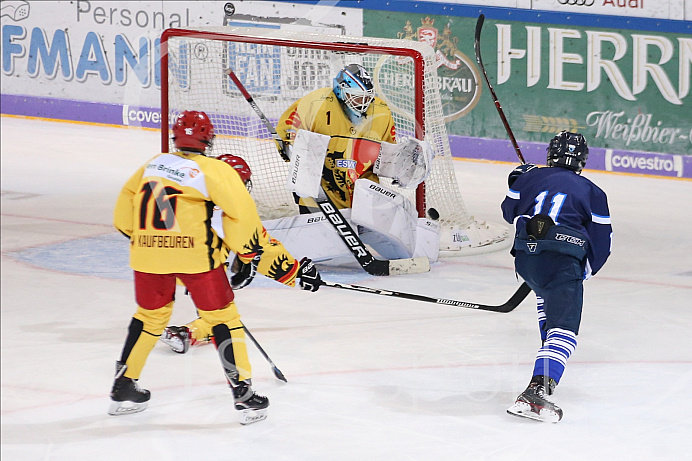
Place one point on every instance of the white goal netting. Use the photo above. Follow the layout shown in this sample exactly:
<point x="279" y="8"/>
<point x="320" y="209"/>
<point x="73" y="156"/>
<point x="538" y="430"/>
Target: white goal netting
<point x="277" y="67"/>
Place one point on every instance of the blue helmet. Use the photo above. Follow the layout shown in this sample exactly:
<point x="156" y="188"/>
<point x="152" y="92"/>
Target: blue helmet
<point x="568" y="150"/>
<point x="353" y="88"/>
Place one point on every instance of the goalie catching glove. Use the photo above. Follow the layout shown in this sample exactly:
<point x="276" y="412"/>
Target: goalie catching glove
<point x="243" y="273"/>
<point x="308" y="276"/>
<point x="407" y="164"/>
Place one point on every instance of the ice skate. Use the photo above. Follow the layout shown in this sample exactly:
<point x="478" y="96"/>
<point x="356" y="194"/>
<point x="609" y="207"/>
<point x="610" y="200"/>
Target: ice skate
<point x="177" y="338"/>
<point x="252" y="406"/>
<point x="532" y="403"/>
<point x="126" y="396"/>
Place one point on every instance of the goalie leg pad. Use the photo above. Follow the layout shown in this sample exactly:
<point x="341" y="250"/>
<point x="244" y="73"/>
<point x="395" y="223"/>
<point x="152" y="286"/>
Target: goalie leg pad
<point x="309" y="235"/>
<point x="307" y="160"/>
<point x="383" y="245"/>
<point x="427" y="239"/>
<point x="388" y="213"/>
<point x="427" y="242"/>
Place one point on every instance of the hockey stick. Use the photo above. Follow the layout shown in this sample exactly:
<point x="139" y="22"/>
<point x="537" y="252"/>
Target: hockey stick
<point x="275" y="369"/>
<point x="350" y="238"/>
<point x="477" y="48"/>
<point x="260" y="114"/>
<point x="508" y="306"/>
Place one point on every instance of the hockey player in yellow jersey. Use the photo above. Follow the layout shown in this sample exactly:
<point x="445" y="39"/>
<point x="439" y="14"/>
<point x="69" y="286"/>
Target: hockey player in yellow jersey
<point x="357" y="122"/>
<point x="166" y="209"/>
<point x="275" y="263"/>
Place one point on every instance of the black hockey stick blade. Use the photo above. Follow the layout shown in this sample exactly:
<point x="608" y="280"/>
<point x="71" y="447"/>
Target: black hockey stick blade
<point x="508" y="306"/>
<point x="479" y="59"/>
<point x="280" y="376"/>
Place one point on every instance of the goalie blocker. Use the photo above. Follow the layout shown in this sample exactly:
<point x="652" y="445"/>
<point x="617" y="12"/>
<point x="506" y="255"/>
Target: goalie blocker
<point x="385" y="219"/>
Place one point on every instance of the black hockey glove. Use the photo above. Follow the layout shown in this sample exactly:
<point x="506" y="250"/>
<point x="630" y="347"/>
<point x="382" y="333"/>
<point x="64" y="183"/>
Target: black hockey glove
<point x="308" y="277"/>
<point x="243" y="273"/>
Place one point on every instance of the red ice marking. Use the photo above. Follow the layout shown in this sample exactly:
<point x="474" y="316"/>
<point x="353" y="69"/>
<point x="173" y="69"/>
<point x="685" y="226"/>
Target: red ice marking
<point x="67" y="221"/>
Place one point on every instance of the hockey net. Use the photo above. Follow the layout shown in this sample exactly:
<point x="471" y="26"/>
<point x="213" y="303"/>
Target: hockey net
<point x="278" y="67"/>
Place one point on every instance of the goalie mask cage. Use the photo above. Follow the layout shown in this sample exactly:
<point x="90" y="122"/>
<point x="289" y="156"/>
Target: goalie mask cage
<point x="277" y="67"/>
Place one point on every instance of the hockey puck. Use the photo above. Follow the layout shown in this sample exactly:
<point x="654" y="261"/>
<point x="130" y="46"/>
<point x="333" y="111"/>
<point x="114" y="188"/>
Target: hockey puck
<point x="433" y="214"/>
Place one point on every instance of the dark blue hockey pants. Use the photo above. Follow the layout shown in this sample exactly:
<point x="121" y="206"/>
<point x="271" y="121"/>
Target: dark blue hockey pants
<point x="557" y="278"/>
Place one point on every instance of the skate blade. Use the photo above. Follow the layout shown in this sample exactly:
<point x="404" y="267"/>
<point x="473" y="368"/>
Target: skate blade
<point x="523" y="410"/>
<point x="252" y="416"/>
<point x="175" y="344"/>
<point x="126" y="408"/>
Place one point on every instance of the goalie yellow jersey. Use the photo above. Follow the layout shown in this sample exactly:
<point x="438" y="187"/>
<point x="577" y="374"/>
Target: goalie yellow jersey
<point x="166" y="208"/>
<point x="352" y="150"/>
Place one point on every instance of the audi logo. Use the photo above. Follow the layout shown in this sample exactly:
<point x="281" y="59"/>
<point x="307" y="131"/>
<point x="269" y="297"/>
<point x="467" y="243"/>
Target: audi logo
<point x="576" y="2"/>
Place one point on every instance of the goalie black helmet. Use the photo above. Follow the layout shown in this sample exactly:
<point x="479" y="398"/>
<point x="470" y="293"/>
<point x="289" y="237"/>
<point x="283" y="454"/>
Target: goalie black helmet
<point x="354" y="90"/>
<point x="568" y="150"/>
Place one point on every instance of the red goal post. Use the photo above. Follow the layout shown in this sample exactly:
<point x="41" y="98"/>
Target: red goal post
<point x="278" y="67"/>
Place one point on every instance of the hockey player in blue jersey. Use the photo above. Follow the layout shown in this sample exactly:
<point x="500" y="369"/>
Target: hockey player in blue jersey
<point x="563" y="236"/>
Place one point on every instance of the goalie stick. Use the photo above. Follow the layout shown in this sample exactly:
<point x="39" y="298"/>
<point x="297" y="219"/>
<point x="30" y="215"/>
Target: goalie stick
<point x="275" y="369"/>
<point x="508" y="306"/>
<point x="350" y="238"/>
<point x="477" y="49"/>
<point x="260" y="114"/>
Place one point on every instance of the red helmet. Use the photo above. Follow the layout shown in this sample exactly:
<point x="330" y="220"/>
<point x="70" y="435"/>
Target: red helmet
<point x="240" y="166"/>
<point x="193" y="131"/>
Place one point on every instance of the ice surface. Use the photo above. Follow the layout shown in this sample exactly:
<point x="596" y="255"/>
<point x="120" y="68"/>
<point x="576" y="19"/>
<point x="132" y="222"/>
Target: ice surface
<point x="369" y="377"/>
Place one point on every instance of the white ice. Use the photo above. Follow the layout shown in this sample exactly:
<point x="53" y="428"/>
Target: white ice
<point x="369" y="377"/>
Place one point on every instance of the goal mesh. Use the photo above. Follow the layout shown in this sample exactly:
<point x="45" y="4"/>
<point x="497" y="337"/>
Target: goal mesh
<point x="277" y="67"/>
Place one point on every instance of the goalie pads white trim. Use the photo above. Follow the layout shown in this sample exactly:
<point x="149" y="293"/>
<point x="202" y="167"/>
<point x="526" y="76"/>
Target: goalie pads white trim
<point x="388" y="224"/>
<point x="309" y="235"/>
<point x="313" y="236"/>
<point x="408" y="163"/>
<point x="387" y="212"/>
<point x="307" y="160"/>
<point x="427" y="242"/>
<point x="392" y="224"/>
<point x="427" y="239"/>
